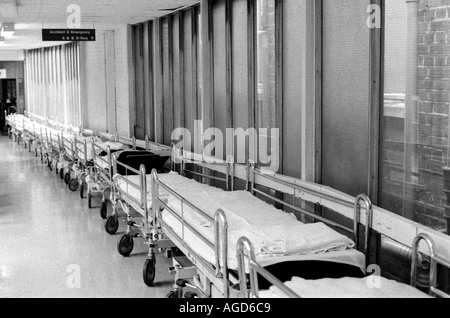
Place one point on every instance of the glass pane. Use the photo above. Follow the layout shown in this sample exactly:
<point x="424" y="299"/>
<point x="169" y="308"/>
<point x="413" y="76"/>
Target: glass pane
<point x="415" y="145"/>
<point x="266" y="110"/>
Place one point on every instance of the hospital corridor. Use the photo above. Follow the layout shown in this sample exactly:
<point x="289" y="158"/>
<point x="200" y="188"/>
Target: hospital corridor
<point x="253" y="150"/>
<point x="47" y="232"/>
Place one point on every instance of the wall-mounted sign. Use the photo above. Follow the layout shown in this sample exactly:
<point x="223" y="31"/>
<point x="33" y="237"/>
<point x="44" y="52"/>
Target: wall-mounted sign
<point x="68" y="35"/>
<point x="2" y="73"/>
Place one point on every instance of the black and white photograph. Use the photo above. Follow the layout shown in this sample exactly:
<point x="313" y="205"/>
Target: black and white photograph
<point x="248" y="151"/>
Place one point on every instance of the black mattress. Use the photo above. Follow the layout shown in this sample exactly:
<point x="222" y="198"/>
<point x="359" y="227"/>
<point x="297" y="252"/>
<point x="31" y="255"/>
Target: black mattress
<point x="135" y="159"/>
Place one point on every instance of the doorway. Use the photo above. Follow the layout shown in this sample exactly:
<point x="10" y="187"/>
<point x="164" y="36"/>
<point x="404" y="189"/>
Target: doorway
<point x="8" y="97"/>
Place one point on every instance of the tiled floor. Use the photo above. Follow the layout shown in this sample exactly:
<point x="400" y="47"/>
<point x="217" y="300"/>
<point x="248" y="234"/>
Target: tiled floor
<point x="51" y="243"/>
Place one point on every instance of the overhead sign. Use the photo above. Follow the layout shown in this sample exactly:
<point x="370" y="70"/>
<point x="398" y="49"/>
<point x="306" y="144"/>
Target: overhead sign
<point x="2" y="73"/>
<point x="68" y="35"/>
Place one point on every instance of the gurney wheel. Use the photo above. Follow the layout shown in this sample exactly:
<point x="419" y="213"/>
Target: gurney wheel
<point x="104" y="210"/>
<point x="149" y="272"/>
<point x="82" y="187"/>
<point x="67" y="178"/>
<point x="112" y="225"/>
<point x="125" y="245"/>
<point x="74" y="185"/>
<point x="190" y="295"/>
<point x="171" y="295"/>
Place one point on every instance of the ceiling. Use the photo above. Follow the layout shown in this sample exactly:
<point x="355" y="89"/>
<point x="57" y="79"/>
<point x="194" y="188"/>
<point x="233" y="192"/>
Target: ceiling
<point x="30" y="16"/>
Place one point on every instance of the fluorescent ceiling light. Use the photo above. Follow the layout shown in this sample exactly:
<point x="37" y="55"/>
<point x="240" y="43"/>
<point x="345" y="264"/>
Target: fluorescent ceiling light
<point x="7" y="30"/>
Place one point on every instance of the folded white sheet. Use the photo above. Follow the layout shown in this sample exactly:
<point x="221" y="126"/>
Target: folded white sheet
<point x="369" y="287"/>
<point x="274" y="233"/>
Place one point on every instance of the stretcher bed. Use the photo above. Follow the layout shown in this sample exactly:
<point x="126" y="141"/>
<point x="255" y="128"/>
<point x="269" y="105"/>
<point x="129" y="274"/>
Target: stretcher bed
<point x="67" y="164"/>
<point x="129" y="180"/>
<point x="101" y="181"/>
<point x="346" y="287"/>
<point x="85" y="166"/>
<point x="135" y="193"/>
<point x="190" y="225"/>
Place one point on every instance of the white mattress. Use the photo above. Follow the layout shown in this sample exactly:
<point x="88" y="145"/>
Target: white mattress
<point x="172" y="179"/>
<point x="346" y="288"/>
<point x="274" y="233"/>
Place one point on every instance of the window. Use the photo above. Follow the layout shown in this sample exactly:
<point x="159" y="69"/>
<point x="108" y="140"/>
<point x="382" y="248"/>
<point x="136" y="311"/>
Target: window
<point x="415" y="124"/>
<point x="266" y="64"/>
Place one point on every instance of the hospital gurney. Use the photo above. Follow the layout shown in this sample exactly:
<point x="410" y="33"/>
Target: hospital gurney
<point x="129" y="182"/>
<point x="16" y="123"/>
<point x="137" y="194"/>
<point x="84" y="166"/>
<point x="102" y="180"/>
<point x="347" y="287"/>
<point x="275" y="231"/>
<point x="67" y="161"/>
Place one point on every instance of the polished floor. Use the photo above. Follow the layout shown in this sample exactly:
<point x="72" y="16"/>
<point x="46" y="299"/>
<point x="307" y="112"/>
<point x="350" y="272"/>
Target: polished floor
<point x="53" y="245"/>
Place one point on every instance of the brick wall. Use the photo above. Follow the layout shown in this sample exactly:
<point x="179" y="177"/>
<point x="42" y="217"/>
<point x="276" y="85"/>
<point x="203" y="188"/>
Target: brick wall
<point x="426" y="195"/>
<point x="434" y="93"/>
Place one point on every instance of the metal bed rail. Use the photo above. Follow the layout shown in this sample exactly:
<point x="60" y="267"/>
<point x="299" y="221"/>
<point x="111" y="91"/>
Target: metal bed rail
<point x="68" y="147"/>
<point x="245" y="249"/>
<point x="361" y="200"/>
<point x="434" y="260"/>
<point x="217" y="273"/>
<point x="247" y="259"/>
<point x="143" y="193"/>
<point x="225" y="167"/>
<point x="149" y="230"/>
<point x="105" y="173"/>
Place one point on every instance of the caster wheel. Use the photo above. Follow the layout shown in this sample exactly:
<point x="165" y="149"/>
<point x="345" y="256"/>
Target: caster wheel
<point x="149" y="272"/>
<point x="125" y="245"/>
<point x="74" y="185"/>
<point x="112" y="225"/>
<point x="190" y="295"/>
<point x="67" y="178"/>
<point x="82" y="188"/>
<point x="170" y="295"/>
<point x="104" y="210"/>
<point x="89" y="200"/>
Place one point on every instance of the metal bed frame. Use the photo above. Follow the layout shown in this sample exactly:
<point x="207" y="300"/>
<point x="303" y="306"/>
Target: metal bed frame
<point x="253" y="171"/>
<point x="84" y="166"/>
<point x="112" y="222"/>
<point x="245" y="250"/>
<point x="104" y="182"/>
<point x="150" y="228"/>
<point x="245" y="247"/>
<point x="434" y="260"/>
<point x="226" y="280"/>
<point x="67" y="161"/>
